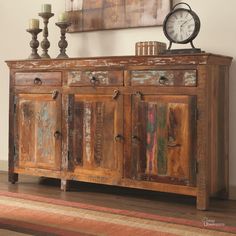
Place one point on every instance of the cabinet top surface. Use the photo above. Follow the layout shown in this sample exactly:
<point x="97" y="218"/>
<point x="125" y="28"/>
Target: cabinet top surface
<point x="121" y="61"/>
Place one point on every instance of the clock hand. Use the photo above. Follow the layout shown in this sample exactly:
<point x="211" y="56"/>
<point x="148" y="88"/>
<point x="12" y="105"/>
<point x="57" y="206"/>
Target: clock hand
<point x="185" y="22"/>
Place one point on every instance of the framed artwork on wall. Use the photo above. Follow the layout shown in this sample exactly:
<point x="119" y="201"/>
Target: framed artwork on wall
<point x="93" y="15"/>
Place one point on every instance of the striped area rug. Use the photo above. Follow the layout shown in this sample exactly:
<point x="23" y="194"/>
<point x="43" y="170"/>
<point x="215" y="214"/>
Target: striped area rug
<point x="25" y="214"/>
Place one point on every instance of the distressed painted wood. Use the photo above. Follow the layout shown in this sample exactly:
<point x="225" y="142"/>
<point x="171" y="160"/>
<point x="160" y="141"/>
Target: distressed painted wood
<point x="127" y="128"/>
<point x="203" y="142"/>
<point x="38" y="119"/>
<point x="164" y="78"/>
<point x="120" y="62"/>
<point x="96" y="78"/>
<point x="163" y="129"/>
<point x="12" y="160"/>
<point x="95" y="125"/>
<point x="38" y="79"/>
<point x="219" y="166"/>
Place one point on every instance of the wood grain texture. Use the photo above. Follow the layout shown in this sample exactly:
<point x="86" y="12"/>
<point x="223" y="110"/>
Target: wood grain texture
<point x="38" y="118"/>
<point x="162" y="145"/>
<point x="203" y="146"/>
<point x="38" y="79"/>
<point x="12" y="176"/>
<point x="219" y="125"/>
<point x="121" y="62"/>
<point x="96" y="122"/>
<point x="124" y="129"/>
<point x="164" y="78"/>
<point x="96" y="78"/>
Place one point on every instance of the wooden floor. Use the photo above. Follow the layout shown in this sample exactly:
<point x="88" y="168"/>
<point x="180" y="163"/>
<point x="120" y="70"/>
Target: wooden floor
<point x="221" y="211"/>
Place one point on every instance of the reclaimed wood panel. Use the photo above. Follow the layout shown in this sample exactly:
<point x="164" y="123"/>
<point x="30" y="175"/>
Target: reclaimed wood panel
<point x="164" y="129"/>
<point x="95" y="78"/>
<point x="208" y="154"/>
<point x="78" y="138"/>
<point x="95" y="125"/>
<point x="186" y="78"/>
<point x="219" y="124"/>
<point x="38" y="118"/>
<point x="123" y="62"/>
<point x="204" y="151"/>
<point x="44" y="79"/>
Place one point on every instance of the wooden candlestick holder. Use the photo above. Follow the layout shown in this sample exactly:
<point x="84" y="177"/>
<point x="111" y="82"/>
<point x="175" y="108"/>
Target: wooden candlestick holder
<point x="62" y="44"/>
<point x="45" y="44"/>
<point x="34" y="43"/>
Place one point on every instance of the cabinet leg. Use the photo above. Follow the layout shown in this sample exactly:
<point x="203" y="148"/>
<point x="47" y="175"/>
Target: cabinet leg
<point x="64" y="185"/>
<point x="12" y="177"/>
<point x="202" y="202"/>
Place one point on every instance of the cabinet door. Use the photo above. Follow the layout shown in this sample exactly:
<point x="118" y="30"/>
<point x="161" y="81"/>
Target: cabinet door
<point x="96" y="135"/>
<point x="163" y="138"/>
<point x="38" y="129"/>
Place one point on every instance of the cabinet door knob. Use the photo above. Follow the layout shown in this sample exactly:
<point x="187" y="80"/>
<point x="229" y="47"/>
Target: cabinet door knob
<point x="119" y="138"/>
<point x="37" y="81"/>
<point x="163" y="80"/>
<point x="57" y="134"/>
<point x="93" y="80"/>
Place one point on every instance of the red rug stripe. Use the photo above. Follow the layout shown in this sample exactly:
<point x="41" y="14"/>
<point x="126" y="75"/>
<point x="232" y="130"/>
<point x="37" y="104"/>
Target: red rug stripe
<point x="168" y="219"/>
<point x="29" y="228"/>
<point x="50" y="221"/>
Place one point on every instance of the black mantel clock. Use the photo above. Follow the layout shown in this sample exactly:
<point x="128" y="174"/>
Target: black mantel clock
<point x="181" y="26"/>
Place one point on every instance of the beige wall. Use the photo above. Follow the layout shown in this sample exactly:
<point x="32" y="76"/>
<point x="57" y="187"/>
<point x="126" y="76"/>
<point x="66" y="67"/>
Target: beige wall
<point x="218" y="35"/>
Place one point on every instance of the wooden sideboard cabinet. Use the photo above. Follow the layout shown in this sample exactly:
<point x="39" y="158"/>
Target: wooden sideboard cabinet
<point x="156" y="122"/>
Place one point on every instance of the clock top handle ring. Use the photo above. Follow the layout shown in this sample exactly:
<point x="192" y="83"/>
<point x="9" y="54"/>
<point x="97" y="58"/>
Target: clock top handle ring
<point x="181" y="3"/>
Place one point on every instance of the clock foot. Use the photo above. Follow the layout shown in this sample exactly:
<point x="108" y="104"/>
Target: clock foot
<point x="183" y="51"/>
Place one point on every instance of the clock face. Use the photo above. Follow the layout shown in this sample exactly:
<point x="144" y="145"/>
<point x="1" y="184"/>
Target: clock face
<point x="180" y="26"/>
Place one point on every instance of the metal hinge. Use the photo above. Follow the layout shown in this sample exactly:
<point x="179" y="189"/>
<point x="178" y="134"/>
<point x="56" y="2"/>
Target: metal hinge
<point x="196" y="114"/>
<point x="15" y="102"/>
<point x="15" y="153"/>
<point x="196" y="167"/>
<point x="70" y="105"/>
<point x="68" y="155"/>
<point x="69" y="112"/>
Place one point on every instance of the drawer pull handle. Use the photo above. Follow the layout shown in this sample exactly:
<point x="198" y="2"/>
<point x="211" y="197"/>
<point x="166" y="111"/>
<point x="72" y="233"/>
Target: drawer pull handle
<point x="163" y="80"/>
<point x="93" y="80"/>
<point x="55" y="94"/>
<point x="57" y="134"/>
<point x="115" y="94"/>
<point x="37" y="81"/>
<point x="119" y="138"/>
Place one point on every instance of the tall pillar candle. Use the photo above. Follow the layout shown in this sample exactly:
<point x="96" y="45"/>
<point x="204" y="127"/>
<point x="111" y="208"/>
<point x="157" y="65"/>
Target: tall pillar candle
<point x="46" y="8"/>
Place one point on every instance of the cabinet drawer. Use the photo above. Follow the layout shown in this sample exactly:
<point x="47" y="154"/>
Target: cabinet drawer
<point x="95" y="78"/>
<point x="164" y="77"/>
<point x="38" y="78"/>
